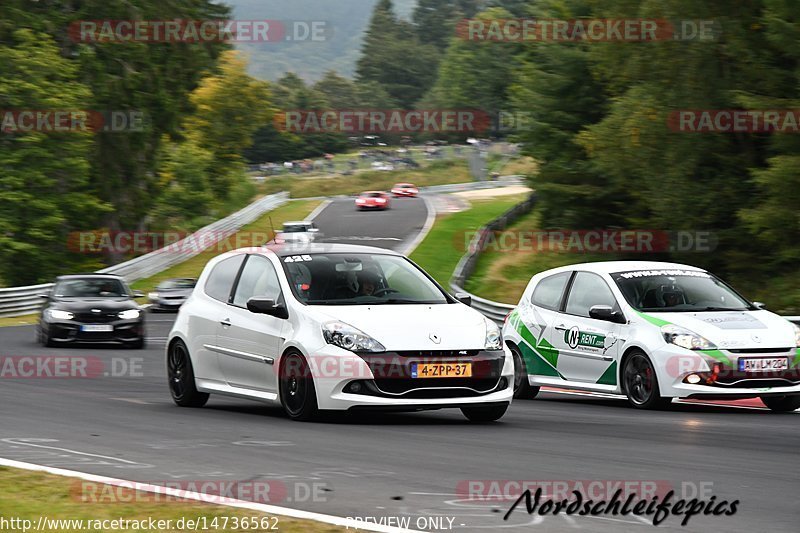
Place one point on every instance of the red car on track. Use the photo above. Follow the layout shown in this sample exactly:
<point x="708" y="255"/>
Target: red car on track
<point x="405" y="189"/>
<point x="372" y="200"/>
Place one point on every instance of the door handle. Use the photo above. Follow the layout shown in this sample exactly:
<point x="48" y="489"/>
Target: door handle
<point x="225" y="322"/>
<point x="561" y="327"/>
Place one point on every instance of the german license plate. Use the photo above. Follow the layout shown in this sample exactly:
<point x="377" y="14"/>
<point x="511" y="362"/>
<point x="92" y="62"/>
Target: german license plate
<point x="441" y="370"/>
<point x="97" y="328"/>
<point x="764" y="364"/>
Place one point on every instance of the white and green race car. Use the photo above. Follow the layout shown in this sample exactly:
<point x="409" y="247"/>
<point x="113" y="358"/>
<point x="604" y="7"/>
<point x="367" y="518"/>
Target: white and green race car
<point x="653" y="332"/>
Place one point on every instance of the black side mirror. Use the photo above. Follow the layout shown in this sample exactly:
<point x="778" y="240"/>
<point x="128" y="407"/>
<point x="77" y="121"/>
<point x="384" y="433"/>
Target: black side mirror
<point x="607" y="313"/>
<point x="265" y="306"/>
<point x="464" y="298"/>
<point x="44" y="296"/>
<point x="760" y="305"/>
<point x="138" y="294"/>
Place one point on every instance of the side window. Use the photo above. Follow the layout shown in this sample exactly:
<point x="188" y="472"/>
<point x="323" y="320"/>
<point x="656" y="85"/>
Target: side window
<point x="258" y="279"/>
<point x="220" y="281"/>
<point x="587" y="291"/>
<point x="550" y="290"/>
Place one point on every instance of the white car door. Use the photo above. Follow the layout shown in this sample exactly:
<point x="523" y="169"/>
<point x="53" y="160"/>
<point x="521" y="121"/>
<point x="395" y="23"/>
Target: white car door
<point x="205" y="313"/>
<point x="249" y="343"/>
<point x="587" y="347"/>
<point x="535" y="325"/>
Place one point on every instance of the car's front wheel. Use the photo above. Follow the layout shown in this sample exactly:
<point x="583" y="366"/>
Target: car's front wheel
<point x="782" y="404"/>
<point x="481" y="413"/>
<point x="522" y="388"/>
<point x="181" y="377"/>
<point x="298" y="395"/>
<point x="641" y="383"/>
<point x="44" y="338"/>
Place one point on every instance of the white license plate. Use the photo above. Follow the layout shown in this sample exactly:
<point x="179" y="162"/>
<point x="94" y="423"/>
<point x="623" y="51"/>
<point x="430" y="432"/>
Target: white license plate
<point x="764" y="364"/>
<point x="97" y="328"/>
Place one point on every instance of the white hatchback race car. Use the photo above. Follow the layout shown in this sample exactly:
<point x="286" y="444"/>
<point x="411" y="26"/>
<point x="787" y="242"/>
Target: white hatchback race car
<point x="335" y="327"/>
<point x="653" y="332"/>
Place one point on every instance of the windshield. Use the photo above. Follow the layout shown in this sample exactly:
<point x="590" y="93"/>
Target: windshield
<point x="90" y="288"/>
<point x="359" y="279"/>
<point x="372" y="195"/>
<point x="177" y="284"/>
<point x="678" y="291"/>
<point x="295" y="228"/>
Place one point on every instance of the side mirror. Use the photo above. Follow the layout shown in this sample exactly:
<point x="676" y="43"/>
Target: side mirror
<point x="138" y="294"/>
<point x="265" y="306"/>
<point x="760" y="305"/>
<point x="44" y="296"/>
<point x="464" y="298"/>
<point x="605" y="312"/>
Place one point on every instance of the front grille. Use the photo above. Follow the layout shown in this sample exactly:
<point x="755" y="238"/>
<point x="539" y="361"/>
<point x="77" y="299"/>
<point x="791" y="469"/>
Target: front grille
<point x="436" y="387"/>
<point x="96" y="318"/>
<point x="438" y="353"/>
<point x="780" y="351"/>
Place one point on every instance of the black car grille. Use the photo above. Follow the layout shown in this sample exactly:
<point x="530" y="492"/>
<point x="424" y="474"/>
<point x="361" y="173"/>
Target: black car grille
<point x="96" y="318"/>
<point x="435" y="387"/>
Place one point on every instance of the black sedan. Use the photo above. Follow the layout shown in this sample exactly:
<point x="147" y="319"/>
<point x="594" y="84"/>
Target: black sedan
<point x="170" y="294"/>
<point x="91" y="308"/>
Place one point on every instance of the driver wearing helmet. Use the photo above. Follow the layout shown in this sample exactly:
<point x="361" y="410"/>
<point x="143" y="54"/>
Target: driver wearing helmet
<point x="367" y="283"/>
<point x="671" y="295"/>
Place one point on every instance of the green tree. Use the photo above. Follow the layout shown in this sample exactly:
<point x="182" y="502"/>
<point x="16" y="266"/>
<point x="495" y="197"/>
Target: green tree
<point x="393" y="57"/>
<point x="44" y="189"/>
<point x="229" y="107"/>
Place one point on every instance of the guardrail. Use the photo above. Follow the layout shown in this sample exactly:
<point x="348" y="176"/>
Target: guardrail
<point x="497" y="311"/>
<point x="16" y="301"/>
<point x="466" y="266"/>
<point x="505" y="181"/>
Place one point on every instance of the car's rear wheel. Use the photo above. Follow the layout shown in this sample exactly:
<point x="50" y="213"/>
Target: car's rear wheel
<point x="641" y="383"/>
<point x="181" y="377"/>
<point x="522" y="388"/>
<point x="481" y="413"/>
<point x="297" y="391"/>
<point x="782" y="404"/>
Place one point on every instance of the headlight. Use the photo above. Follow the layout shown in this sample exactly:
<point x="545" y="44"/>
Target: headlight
<point x="129" y="314"/>
<point x="58" y="314"/>
<point x="494" y="340"/>
<point x="796" y="335"/>
<point x="347" y="337"/>
<point x="685" y="339"/>
<point x="152" y="295"/>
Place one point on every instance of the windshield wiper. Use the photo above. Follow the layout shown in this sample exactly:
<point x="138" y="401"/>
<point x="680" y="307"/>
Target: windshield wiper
<point x="712" y="308"/>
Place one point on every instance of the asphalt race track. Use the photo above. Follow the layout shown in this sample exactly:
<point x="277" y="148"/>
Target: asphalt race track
<point x="122" y="423"/>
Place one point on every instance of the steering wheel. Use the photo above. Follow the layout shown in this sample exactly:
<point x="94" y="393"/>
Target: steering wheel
<point x="383" y="292"/>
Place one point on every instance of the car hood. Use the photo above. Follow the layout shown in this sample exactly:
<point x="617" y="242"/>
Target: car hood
<point x="736" y="329"/>
<point x="411" y="326"/>
<point x="106" y="305"/>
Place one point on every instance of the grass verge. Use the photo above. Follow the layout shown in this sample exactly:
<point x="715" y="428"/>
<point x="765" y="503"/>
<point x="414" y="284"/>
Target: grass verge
<point x="447" y="241"/>
<point x="30" y="495"/>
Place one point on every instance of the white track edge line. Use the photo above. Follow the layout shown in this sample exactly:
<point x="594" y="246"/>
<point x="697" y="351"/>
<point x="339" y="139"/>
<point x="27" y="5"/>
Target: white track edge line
<point x="426" y="228"/>
<point x="203" y="498"/>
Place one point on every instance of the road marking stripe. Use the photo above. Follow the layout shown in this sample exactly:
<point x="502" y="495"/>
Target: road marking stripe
<point x="190" y="495"/>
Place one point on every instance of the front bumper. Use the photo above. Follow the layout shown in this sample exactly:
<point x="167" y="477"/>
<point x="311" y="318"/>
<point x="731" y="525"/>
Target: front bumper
<point x="167" y="303"/>
<point x="720" y="377"/>
<point x="122" y="331"/>
<point x="387" y="383"/>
